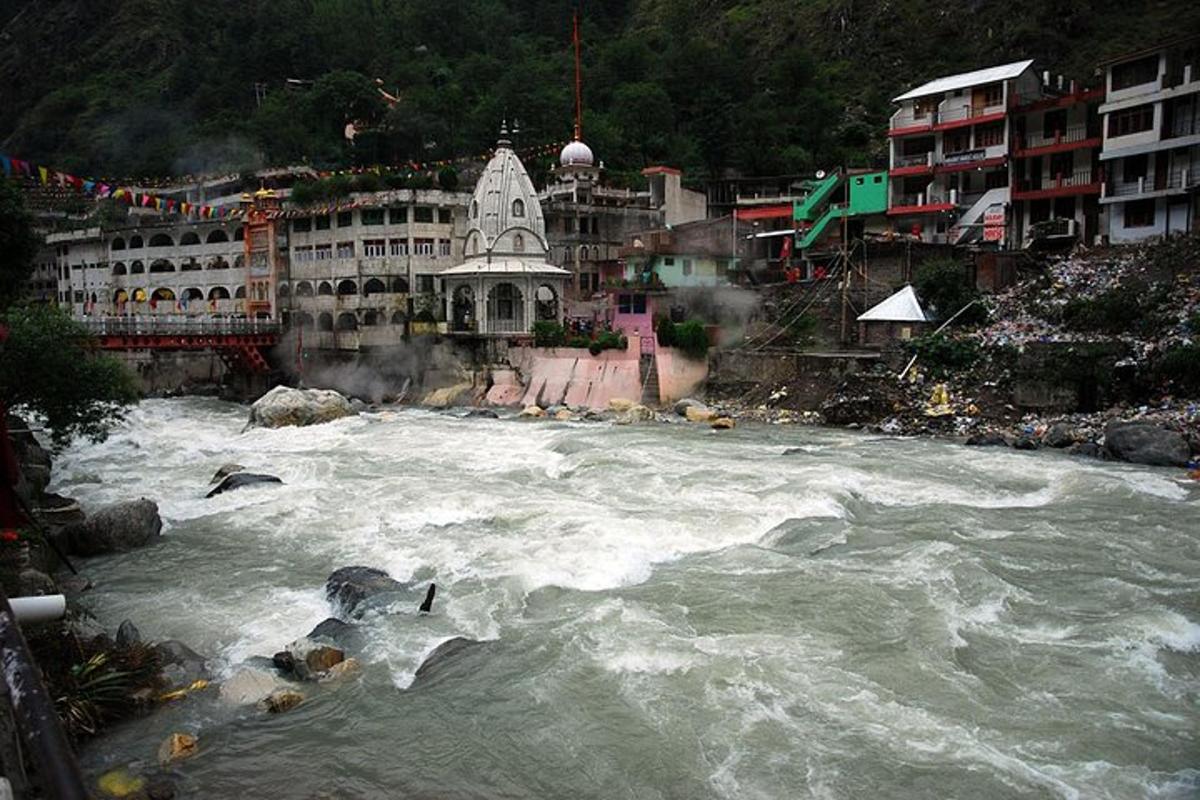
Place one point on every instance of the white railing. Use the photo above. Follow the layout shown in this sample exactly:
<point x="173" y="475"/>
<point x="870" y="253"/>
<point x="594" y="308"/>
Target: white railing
<point x="175" y="324"/>
<point x="918" y="160"/>
<point x="907" y="118"/>
<point x="967" y="111"/>
<point x="1073" y="133"/>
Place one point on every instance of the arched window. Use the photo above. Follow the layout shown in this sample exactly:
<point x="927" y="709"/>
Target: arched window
<point x="505" y="309"/>
<point x="161" y="240"/>
<point x="239" y="235"/>
<point x="398" y="318"/>
<point x="218" y="293"/>
<point x="135" y="242"/>
<point x="239" y="262"/>
<point x="474" y="209"/>
<point x="283" y="290"/>
<point x="370" y="317"/>
<point x="347" y="322"/>
<point x="400" y="285"/>
<point x="546" y="303"/>
<point x="193" y="294"/>
<point x="118" y="268"/>
<point x="163" y="295"/>
<point x="118" y="243"/>
<point x="518" y="208"/>
<point x="304" y="320"/>
<point x="304" y="289"/>
<point x="191" y="265"/>
<point x="120" y="296"/>
<point x="347" y="287"/>
<point x="518" y="243"/>
<point x="191" y="237"/>
<point x="373" y="286"/>
<point x="324" y="287"/>
<point x="325" y="321"/>
<point x="162" y="265"/>
<point x="216" y="237"/>
<point x="136" y="268"/>
<point x="240" y="292"/>
<point x="218" y="263"/>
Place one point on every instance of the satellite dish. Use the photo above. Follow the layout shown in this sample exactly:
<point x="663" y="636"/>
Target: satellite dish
<point x="820" y="174"/>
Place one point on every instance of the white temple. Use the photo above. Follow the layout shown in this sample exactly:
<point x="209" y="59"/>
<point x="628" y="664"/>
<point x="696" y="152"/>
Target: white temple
<point x="506" y="283"/>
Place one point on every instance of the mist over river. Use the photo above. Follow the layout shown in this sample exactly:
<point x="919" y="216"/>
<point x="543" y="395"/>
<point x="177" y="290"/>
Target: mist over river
<point x="670" y="612"/>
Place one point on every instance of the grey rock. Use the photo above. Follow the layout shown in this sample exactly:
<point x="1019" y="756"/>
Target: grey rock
<point x="286" y="406"/>
<point x="681" y="406"/>
<point x="443" y="656"/>
<point x="1025" y="443"/>
<point x="343" y="634"/>
<point x="309" y="657"/>
<point x="182" y="664"/>
<point x="128" y="634"/>
<point x="354" y="588"/>
<point x="1144" y="443"/>
<point x="116" y="529"/>
<point x="1059" y="435"/>
<point x="239" y="479"/>
<point x="481" y="413"/>
<point x="1087" y="450"/>
<point x="227" y="469"/>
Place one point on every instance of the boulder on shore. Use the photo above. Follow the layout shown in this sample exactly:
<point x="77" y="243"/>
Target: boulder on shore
<point x="181" y="664"/>
<point x="635" y="413"/>
<point x="239" y="479"/>
<point x="353" y="588"/>
<point x="1145" y="443"/>
<point x="286" y="406"/>
<point x="723" y="424"/>
<point x="987" y="440"/>
<point x="311" y="658"/>
<point x="700" y="414"/>
<point x="341" y="634"/>
<point x="681" y="406"/>
<point x="1059" y="435"/>
<point x="534" y="412"/>
<point x="620" y="404"/>
<point x="115" y="529"/>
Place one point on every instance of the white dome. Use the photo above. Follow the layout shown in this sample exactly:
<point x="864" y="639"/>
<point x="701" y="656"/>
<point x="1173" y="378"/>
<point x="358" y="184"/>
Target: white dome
<point x="505" y="217"/>
<point x="576" y="154"/>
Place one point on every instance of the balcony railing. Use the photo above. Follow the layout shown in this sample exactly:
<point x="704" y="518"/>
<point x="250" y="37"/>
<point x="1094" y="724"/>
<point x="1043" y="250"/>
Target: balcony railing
<point x="906" y="118"/>
<point x="966" y="111"/>
<point x="1181" y="178"/>
<point x="1073" y="133"/>
<point x="1084" y="176"/>
<point x="175" y="325"/>
<point x="917" y="160"/>
<point x="920" y="199"/>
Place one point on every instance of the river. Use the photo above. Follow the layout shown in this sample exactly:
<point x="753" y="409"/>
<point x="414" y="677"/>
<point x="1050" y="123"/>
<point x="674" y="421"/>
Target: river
<point x="670" y="611"/>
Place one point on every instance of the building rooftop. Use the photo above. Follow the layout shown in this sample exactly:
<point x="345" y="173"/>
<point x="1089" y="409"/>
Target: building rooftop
<point x="903" y="306"/>
<point x="964" y="79"/>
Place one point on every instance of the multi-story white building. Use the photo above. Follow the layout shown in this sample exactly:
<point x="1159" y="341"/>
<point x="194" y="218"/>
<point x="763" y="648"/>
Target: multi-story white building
<point x="1151" y="135"/>
<point x="950" y="141"/>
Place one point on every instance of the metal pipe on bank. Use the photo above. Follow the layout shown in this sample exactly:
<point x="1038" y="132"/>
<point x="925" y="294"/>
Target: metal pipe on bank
<point x="41" y="732"/>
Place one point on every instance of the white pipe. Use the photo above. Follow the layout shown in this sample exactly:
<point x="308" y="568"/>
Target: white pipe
<point x="38" y="609"/>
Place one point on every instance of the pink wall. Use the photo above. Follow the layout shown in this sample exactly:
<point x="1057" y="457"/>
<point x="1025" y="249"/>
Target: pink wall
<point x="573" y="376"/>
<point x="631" y="325"/>
<point x="678" y="377"/>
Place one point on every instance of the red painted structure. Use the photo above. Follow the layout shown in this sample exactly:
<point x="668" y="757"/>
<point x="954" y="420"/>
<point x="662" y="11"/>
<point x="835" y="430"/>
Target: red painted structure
<point x="238" y="342"/>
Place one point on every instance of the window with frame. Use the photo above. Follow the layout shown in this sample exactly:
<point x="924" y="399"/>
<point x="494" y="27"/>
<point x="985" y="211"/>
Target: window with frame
<point x="443" y="247"/>
<point x="303" y="254"/>
<point x="1054" y="123"/>
<point x="1135" y="168"/>
<point x="345" y="219"/>
<point x="722" y="267"/>
<point x="323" y="252"/>
<point x="1131" y="120"/>
<point x="345" y="250"/>
<point x="372" y="216"/>
<point x="423" y="247"/>
<point x="989" y="135"/>
<point x="1061" y="164"/>
<point x="302" y="225"/>
<point x="398" y="215"/>
<point x="993" y="95"/>
<point x="924" y="106"/>
<point x="374" y="248"/>
<point x="956" y="142"/>
<point x="398" y="247"/>
<point x="423" y="214"/>
<point x="1134" y="73"/>
<point x="321" y="223"/>
<point x="668" y="262"/>
<point x="1139" y="214"/>
<point x="445" y="217"/>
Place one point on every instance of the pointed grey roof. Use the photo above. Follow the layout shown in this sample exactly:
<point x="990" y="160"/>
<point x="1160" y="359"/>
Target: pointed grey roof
<point x="903" y="306"/>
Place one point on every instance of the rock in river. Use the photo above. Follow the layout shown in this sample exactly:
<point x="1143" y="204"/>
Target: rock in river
<point x="444" y="655"/>
<point x="239" y="479"/>
<point x="1144" y="443"/>
<point x="353" y="588"/>
<point x="285" y="406"/>
<point x="115" y="529"/>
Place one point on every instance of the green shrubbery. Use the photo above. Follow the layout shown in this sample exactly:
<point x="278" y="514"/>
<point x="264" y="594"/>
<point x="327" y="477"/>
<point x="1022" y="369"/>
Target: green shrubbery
<point x="1122" y="309"/>
<point x="689" y="337"/>
<point x="944" y="288"/>
<point x="939" y="355"/>
<point x="608" y="340"/>
<point x="548" y="333"/>
<point x="1180" y="367"/>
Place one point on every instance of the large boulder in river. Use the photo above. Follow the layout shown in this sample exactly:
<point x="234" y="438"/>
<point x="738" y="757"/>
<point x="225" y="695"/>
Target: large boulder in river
<point x="357" y="588"/>
<point x="341" y="634"/>
<point x="444" y="656"/>
<point x="286" y="406"/>
<point x="116" y="529"/>
<point x="239" y="479"/>
<point x="1144" y="443"/>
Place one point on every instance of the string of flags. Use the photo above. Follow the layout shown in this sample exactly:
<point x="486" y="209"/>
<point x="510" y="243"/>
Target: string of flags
<point x="19" y="168"/>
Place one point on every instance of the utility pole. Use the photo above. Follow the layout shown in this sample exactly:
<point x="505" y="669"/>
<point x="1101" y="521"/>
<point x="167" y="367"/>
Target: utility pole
<point x="845" y="258"/>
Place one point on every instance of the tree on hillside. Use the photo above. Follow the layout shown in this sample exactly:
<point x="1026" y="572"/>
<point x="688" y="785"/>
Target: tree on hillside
<point x="48" y="365"/>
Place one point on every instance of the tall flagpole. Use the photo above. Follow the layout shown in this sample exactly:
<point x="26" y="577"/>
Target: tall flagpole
<point x="578" y="82"/>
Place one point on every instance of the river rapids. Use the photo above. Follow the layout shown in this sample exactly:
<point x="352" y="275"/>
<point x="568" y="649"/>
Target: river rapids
<point x="669" y="611"/>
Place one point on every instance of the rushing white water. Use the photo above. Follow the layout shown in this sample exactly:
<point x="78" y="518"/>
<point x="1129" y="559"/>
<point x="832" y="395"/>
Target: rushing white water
<point x="671" y="612"/>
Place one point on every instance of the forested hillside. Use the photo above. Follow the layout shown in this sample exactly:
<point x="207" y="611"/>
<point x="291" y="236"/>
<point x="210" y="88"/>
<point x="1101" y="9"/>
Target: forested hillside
<point x="152" y="87"/>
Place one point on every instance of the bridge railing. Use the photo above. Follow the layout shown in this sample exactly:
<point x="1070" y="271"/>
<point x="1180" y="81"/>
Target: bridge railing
<point x="167" y="325"/>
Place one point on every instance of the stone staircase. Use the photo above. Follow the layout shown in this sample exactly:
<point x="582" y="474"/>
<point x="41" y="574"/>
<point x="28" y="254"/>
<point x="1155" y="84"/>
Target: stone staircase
<point x="649" y="369"/>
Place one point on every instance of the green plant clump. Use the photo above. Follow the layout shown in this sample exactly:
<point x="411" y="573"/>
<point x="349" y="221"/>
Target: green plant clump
<point x="944" y="287"/>
<point x="1180" y="366"/>
<point x="1122" y="309"/>
<point x="548" y="333"/>
<point x="692" y="339"/>
<point x="940" y="355"/>
<point x="664" y="330"/>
